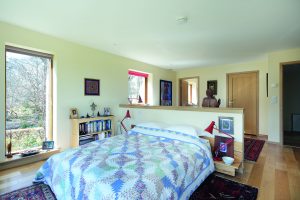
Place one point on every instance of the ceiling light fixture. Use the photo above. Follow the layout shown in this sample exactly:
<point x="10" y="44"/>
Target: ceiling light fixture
<point x="182" y="20"/>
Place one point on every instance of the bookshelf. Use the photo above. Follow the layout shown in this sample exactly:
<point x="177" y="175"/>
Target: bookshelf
<point x="85" y="130"/>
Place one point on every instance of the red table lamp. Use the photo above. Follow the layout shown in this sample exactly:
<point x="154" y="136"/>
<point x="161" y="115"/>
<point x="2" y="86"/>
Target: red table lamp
<point x="210" y="129"/>
<point x="127" y="116"/>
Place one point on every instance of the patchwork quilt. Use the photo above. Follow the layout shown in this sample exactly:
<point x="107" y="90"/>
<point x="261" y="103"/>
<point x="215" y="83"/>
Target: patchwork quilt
<point x="145" y="163"/>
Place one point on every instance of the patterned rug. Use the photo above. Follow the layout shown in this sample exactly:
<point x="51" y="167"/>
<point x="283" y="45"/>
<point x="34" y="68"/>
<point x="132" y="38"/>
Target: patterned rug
<point x="215" y="187"/>
<point x="33" y="192"/>
<point x="252" y="148"/>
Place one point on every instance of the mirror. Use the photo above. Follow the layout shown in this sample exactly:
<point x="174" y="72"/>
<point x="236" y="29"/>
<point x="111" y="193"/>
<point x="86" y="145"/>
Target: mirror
<point x="188" y="91"/>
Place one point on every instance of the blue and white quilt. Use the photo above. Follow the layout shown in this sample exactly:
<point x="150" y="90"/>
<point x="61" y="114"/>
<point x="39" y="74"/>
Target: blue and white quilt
<point x="145" y="163"/>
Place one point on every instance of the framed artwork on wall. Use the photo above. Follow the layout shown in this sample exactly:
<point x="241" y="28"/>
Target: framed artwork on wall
<point x="47" y="145"/>
<point x="223" y="147"/>
<point x="91" y="87"/>
<point x="74" y="113"/>
<point x="165" y="93"/>
<point x="226" y="125"/>
<point x="213" y="85"/>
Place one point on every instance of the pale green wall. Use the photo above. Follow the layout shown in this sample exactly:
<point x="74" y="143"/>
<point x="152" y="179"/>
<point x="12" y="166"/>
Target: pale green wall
<point x="274" y="61"/>
<point x="219" y="73"/>
<point x="73" y="63"/>
<point x="269" y="112"/>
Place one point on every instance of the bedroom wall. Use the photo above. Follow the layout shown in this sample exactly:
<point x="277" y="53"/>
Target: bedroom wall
<point x="219" y="73"/>
<point x="73" y="63"/>
<point x="274" y="61"/>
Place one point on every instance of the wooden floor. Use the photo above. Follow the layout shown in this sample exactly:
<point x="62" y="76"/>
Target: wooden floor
<point x="276" y="173"/>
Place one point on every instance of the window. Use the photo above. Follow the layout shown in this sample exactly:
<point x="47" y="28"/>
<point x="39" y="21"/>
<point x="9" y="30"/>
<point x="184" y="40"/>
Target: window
<point x="28" y="98"/>
<point x="137" y="87"/>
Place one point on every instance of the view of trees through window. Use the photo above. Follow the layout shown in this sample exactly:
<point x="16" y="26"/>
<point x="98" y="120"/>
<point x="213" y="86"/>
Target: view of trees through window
<point x="136" y="88"/>
<point x="27" y="86"/>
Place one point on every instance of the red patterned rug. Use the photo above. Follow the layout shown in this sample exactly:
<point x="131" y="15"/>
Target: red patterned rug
<point x="215" y="187"/>
<point x="252" y="148"/>
<point x="33" y="192"/>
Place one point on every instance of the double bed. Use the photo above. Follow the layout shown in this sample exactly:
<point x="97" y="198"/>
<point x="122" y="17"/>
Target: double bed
<point x="145" y="163"/>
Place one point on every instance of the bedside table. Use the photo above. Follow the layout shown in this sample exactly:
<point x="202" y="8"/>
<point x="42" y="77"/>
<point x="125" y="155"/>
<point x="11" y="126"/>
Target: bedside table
<point x="228" y="169"/>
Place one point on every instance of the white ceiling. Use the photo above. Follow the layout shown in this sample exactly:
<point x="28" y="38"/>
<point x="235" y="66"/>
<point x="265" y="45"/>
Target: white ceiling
<point x="217" y="31"/>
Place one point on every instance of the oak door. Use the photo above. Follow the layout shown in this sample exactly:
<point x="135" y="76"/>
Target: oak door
<point x="243" y="93"/>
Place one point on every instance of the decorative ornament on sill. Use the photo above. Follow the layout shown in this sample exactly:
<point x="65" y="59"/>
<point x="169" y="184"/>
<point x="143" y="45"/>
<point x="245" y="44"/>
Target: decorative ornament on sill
<point x="107" y="111"/>
<point x="139" y="98"/>
<point x="9" y="147"/>
<point x="93" y="108"/>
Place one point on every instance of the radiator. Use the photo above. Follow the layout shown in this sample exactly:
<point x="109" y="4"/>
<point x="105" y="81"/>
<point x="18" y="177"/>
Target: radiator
<point x="296" y="122"/>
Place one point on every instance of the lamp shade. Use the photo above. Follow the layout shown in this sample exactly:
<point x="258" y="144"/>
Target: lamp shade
<point x="210" y="128"/>
<point x="127" y="114"/>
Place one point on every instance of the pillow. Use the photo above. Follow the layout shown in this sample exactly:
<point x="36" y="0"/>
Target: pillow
<point x="189" y="130"/>
<point x="152" y="125"/>
<point x="205" y="133"/>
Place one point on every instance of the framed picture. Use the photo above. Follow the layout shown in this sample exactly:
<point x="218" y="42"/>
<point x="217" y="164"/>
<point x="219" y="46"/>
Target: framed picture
<point x="226" y="125"/>
<point x="224" y="149"/>
<point x="48" y="145"/>
<point x="91" y="87"/>
<point x="213" y="85"/>
<point x="74" y="113"/>
<point x="165" y="93"/>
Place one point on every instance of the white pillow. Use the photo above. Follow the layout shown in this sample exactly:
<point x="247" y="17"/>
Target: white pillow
<point x="189" y="130"/>
<point x="157" y="125"/>
<point x="205" y="133"/>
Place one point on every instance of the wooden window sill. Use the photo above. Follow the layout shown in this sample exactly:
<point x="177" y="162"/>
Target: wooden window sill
<point x="18" y="160"/>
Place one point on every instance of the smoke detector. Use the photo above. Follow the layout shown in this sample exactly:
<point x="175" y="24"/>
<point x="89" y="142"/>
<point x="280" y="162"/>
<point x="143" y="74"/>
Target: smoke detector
<point x="182" y="20"/>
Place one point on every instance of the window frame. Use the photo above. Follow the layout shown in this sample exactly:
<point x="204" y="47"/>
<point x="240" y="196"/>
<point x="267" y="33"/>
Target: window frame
<point x="146" y="83"/>
<point x="28" y="52"/>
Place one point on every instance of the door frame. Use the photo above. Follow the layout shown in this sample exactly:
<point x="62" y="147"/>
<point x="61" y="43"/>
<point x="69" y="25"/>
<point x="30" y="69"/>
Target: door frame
<point x="281" y="111"/>
<point x="257" y="93"/>
<point x="180" y="90"/>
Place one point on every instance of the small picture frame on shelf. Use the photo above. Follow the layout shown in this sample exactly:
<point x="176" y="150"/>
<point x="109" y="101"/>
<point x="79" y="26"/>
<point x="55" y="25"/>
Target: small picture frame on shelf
<point x="226" y="125"/>
<point x="47" y="145"/>
<point x="91" y="87"/>
<point x="74" y="113"/>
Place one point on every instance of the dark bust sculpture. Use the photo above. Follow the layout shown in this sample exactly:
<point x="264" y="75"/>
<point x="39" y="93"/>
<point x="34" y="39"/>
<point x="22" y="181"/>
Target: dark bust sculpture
<point x="210" y="100"/>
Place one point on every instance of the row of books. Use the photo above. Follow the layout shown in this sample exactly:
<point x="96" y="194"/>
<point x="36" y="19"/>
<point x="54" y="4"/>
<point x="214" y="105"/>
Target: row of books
<point x="83" y="139"/>
<point x="94" y="126"/>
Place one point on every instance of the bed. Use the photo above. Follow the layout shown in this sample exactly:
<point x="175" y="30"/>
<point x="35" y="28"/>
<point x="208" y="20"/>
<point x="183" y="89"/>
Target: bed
<point x="145" y="163"/>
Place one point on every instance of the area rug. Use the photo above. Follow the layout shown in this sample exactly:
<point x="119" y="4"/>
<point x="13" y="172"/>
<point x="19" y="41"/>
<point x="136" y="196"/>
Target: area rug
<point x="252" y="148"/>
<point x="215" y="187"/>
<point x="33" y="192"/>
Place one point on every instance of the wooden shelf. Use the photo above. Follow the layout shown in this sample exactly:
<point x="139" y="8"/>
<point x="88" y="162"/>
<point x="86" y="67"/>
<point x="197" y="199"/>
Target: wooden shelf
<point x="76" y="123"/>
<point x="228" y="169"/>
<point x="85" y="120"/>
<point x="185" y="108"/>
<point x="18" y="160"/>
<point x="95" y="133"/>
